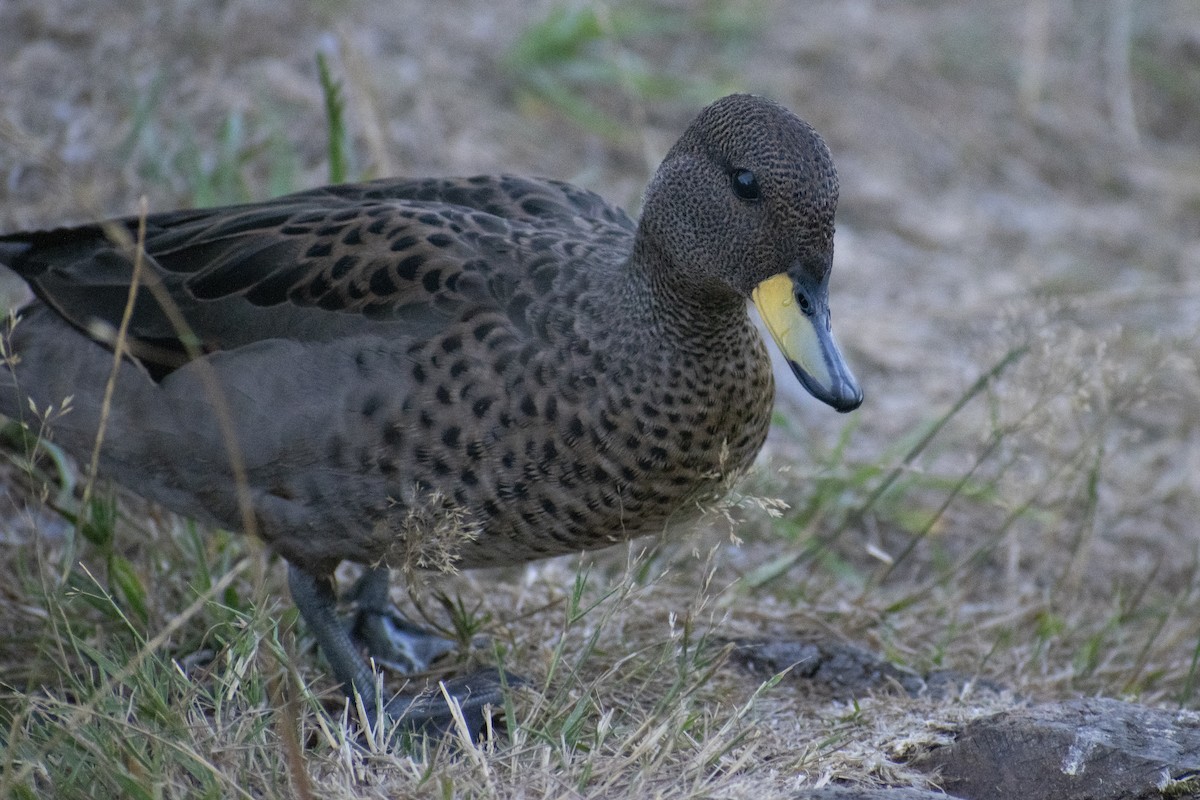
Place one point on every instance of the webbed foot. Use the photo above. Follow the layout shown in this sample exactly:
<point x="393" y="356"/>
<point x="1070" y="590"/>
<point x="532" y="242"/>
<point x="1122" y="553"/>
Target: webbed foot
<point x="393" y="641"/>
<point x="477" y="696"/>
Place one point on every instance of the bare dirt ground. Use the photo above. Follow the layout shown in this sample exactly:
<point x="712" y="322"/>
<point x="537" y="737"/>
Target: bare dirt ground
<point x="1017" y="178"/>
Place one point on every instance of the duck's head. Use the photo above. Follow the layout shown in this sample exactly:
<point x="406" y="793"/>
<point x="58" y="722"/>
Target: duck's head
<point x="743" y="205"/>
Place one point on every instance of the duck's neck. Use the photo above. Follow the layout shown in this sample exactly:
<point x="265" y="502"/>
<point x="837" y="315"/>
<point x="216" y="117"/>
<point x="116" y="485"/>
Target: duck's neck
<point x="661" y="300"/>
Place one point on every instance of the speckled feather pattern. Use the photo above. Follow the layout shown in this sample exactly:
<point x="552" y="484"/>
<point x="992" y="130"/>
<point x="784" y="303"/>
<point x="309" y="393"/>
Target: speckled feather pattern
<point x="514" y="352"/>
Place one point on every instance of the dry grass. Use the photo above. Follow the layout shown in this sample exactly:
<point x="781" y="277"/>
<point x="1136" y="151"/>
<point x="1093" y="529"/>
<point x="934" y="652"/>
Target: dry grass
<point x="1042" y="536"/>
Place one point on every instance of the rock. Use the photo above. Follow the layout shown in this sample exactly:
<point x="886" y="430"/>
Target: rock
<point x="1091" y="749"/>
<point x="855" y="793"/>
<point x="844" y="670"/>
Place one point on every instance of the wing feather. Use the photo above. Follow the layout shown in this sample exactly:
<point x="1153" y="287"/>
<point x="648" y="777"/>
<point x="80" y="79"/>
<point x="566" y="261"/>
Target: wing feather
<point x="406" y="254"/>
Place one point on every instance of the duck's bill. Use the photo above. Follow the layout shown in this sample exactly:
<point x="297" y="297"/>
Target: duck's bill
<point x="807" y="343"/>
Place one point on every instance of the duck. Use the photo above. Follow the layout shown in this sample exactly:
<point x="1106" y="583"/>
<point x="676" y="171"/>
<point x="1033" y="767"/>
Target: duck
<point x="441" y="373"/>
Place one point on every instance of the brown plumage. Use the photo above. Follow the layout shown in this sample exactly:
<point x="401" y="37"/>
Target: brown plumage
<point x="486" y="370"/>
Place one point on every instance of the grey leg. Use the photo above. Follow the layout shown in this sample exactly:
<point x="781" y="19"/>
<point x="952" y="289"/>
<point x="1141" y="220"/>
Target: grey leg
<point x="315" y="599"/>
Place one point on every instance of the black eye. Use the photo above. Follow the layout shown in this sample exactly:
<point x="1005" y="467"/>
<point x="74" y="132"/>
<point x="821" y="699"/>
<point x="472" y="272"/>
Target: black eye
<point x="745" y="185"/>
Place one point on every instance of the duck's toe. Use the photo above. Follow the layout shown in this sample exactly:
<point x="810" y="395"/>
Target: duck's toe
<point x="479" y="697"/>
<point x="395" y="643"/>
<point x="389" y="638"/>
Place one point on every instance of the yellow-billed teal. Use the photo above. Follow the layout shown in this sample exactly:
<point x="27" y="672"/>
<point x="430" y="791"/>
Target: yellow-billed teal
<point x="437" y="372"/>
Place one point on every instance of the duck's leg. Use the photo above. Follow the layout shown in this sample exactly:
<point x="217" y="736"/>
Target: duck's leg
<point x="426" y="712"/>
<point x="391" y="639"/>
<point x="315" y="599"/>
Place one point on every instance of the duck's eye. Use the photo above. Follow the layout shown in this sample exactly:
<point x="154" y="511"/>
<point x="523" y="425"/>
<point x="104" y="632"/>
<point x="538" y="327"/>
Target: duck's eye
<point x="745" y="185"/>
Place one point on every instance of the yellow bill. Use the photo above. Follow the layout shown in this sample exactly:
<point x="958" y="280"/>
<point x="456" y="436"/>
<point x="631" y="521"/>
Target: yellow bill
<point x="798" y="318"/>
